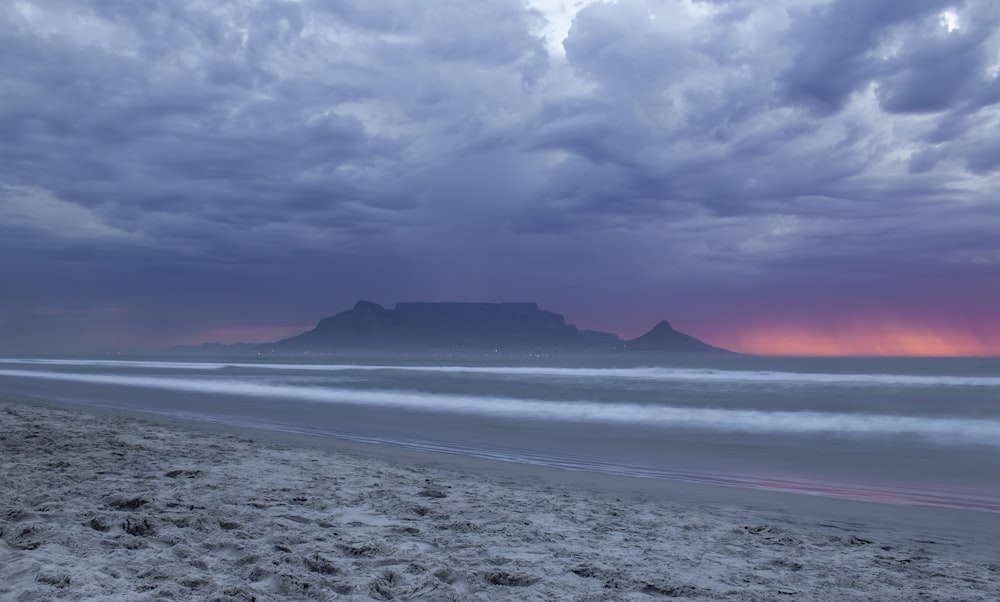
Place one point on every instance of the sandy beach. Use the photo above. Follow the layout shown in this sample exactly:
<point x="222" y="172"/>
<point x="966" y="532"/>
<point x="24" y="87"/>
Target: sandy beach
<point x="102" y="506"/>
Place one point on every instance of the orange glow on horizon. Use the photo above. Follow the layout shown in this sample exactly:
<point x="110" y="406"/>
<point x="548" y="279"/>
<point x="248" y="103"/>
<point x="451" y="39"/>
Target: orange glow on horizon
<point x="876" y="338"/>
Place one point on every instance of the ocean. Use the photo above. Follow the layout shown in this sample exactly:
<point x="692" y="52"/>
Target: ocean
<point x="902" y="431"/>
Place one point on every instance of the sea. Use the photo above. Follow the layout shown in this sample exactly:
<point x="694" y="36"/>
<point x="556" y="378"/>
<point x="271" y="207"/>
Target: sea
<point x="908" y="431"/>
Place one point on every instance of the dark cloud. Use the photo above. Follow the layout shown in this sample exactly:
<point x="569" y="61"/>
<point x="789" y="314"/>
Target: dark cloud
<point x="169" y="168"/>
<point x="938" y="68"/>
<point x="837" y="46"/>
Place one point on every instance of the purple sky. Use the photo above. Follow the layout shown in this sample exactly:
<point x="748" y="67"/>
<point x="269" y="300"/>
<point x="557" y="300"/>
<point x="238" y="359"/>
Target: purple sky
<point x="758" y="173"/>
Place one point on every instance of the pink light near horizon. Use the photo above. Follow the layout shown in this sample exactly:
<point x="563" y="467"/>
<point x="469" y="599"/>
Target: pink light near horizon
<point x="875" y="337"/>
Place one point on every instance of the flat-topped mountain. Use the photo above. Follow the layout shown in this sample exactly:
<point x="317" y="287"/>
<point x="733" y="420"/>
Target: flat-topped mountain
<point x="439" y="325"/>
<point x="493" y="327"/>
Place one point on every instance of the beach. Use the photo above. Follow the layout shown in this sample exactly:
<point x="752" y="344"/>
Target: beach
<point x="108" y="505"/>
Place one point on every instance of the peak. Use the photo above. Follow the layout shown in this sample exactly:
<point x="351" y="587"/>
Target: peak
<point x="663" y="338"/>
<point x="367" y="305"/>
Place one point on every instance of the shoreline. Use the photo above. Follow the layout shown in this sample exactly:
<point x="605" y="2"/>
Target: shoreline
<point x="904" y="513"/>
<point x="101" y="502"/>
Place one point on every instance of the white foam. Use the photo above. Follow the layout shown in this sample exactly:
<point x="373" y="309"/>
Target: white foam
<point x="170" y="365"/>
<point x="662" y="374"/>
<point x="982" y="431"/>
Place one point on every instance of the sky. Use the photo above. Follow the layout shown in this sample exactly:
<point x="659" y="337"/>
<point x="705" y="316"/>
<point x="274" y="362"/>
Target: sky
<point x="784" y="177"/>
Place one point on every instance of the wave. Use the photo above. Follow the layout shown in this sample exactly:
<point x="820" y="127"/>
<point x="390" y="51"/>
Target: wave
<point x="119" y="364"/>
<point x="654" y="374"/>
<point x="979" y="431"/>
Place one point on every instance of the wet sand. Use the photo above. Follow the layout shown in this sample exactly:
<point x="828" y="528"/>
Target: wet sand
<point x="101" y="505"/>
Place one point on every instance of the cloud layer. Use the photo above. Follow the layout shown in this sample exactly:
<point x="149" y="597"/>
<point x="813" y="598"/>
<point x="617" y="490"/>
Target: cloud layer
<point x="170" y="167"/>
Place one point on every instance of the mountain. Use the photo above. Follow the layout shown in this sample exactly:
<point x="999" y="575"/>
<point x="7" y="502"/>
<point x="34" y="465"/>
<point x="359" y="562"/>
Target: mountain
<point x="663" y="338"/>
<point x="507" y="326"/>
<point x="474" y="327"/>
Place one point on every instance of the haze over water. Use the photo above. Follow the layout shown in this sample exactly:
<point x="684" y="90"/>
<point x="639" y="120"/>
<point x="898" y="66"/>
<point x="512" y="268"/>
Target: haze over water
<point x="912" y="431"/>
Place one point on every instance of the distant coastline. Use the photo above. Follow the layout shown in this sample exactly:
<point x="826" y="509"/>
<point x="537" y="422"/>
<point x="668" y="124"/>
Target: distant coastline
<point x="455" y="328"/>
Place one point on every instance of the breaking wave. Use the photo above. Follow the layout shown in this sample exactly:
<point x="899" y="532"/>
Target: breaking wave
<point x="943" y="430"/>
<point x="653" y="374"/>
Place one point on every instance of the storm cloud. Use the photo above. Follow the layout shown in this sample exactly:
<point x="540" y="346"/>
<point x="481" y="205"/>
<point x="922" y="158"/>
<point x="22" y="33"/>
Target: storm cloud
<point x="172" y="172"/>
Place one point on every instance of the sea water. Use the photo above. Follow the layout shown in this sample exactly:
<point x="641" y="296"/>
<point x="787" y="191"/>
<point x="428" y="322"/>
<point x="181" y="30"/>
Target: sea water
<point x="911" y="431"/>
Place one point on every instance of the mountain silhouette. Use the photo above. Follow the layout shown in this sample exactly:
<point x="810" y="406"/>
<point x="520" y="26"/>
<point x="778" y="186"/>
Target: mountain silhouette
<point x="453" y="326"/>
<point x="663" y="338"/>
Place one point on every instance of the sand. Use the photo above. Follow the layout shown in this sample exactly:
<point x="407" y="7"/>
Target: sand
<point x="105" y="507"/>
